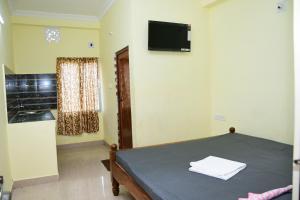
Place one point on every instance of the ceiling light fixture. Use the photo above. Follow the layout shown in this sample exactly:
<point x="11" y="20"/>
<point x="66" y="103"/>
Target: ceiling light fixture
<point x="52" y="34"/>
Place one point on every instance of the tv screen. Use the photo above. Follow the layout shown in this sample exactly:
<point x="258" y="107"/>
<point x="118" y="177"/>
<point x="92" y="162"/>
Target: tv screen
<point x="165" y="36"/>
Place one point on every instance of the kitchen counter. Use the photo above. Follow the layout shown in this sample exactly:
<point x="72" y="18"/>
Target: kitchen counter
<point x="32" y="147"/>
<point x="32" y="116"/>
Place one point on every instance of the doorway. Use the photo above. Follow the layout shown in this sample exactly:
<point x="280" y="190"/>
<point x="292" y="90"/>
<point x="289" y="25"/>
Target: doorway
<point x="124" y="101"/>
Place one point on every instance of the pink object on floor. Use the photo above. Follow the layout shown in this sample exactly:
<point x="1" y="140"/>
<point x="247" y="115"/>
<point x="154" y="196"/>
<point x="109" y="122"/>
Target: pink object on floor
<point x="268" y="195"/>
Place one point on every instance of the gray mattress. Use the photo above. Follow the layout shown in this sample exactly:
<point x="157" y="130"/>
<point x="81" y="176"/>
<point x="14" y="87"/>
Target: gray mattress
<point x="163" y="171"/>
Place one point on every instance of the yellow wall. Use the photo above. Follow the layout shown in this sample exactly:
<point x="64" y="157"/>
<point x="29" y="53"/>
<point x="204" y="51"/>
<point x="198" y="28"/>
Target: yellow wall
<point x="240" y="67"/>
<point x="32" y="150"/>
<point x="169" y="91"/>
<point x="5" y="58"/>
<point x="45" y="21"/>
<point x="4" y="155"/>
<point x="114" y="35"/>
<point x="33" y="54"/>
<point x="252" y="68"/>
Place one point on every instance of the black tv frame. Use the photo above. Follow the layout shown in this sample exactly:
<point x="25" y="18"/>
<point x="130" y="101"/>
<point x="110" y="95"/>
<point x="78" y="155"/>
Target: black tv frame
<point x="189" y="28"/>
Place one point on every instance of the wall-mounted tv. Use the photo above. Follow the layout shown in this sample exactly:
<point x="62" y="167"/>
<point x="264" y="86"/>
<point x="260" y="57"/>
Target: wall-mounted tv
<point x="165" y="36"/>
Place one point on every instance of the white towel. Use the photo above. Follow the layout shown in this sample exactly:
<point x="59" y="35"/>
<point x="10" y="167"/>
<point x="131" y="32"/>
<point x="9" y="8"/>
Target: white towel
<point x="217" y="167"/>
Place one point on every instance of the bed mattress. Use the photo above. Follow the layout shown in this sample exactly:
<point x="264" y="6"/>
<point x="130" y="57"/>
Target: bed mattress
<point x="163" y="173"/>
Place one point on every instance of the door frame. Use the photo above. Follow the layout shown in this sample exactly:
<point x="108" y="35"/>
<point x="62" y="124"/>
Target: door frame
<point x="118" y="53"/>
<point x="296" y="168"/>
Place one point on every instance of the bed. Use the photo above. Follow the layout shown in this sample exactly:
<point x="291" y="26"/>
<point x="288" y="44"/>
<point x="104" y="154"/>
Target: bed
<point x="161" y="172"/>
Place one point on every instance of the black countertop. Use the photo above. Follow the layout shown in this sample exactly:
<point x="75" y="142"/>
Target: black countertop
<point x="32" y="116"/>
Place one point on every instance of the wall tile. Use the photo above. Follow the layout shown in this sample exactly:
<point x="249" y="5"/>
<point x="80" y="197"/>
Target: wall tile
<point x="29" y="92"/>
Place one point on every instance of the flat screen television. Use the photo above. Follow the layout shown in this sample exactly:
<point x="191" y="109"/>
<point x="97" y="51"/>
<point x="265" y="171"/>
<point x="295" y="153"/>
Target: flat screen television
<point x="165" y="36"/>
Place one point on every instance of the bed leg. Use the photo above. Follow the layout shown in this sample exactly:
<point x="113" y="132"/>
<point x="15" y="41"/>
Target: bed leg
<point x="115" y="184"/>
<point x="231" y="130"/>
<point x="115" y="187"/>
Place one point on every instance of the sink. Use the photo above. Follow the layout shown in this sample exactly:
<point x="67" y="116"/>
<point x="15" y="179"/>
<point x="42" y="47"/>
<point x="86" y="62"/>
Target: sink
<point x="32" y="116"/>
<point x="34" y="112"/>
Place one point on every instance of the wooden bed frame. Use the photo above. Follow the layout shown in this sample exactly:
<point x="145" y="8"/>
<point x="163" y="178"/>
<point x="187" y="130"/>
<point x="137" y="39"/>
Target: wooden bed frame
<point x="119" y="176"/>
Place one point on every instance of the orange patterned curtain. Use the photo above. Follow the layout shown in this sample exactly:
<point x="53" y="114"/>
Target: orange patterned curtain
<point x="77" y="96"/>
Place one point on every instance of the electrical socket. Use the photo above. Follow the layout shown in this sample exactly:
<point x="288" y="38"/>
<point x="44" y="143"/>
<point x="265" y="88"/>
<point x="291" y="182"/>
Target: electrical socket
<point x="219" y="117"/>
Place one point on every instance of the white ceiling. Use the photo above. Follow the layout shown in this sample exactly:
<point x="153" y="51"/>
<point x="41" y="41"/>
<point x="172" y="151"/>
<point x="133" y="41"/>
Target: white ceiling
<point x="84" y="9"/>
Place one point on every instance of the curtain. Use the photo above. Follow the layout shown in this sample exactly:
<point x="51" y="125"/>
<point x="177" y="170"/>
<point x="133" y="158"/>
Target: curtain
<point x="77" y="96"/>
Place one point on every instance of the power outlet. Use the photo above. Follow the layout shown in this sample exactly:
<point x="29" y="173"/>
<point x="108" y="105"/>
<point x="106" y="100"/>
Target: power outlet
<point x="221" y="118"/>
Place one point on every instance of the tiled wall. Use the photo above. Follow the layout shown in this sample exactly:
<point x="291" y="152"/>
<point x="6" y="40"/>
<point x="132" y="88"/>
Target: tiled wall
<point x="28" y="92"/>
<point x="12" y="105"/>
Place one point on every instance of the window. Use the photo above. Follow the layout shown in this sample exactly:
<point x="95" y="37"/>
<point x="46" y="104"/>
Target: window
<point x="78" y="95"/>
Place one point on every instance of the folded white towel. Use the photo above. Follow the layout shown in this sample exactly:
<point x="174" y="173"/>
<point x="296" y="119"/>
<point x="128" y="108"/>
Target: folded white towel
<point x="217" y="167"/>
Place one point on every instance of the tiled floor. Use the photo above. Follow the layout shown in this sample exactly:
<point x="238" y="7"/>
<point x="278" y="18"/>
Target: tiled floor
<point x="82" y="177"/>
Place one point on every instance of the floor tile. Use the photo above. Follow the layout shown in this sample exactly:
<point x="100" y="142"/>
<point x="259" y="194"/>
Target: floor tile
<point x="82" y="176"/>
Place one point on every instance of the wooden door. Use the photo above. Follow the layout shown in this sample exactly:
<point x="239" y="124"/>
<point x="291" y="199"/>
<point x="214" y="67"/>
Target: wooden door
<point x="124" y="103"/>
